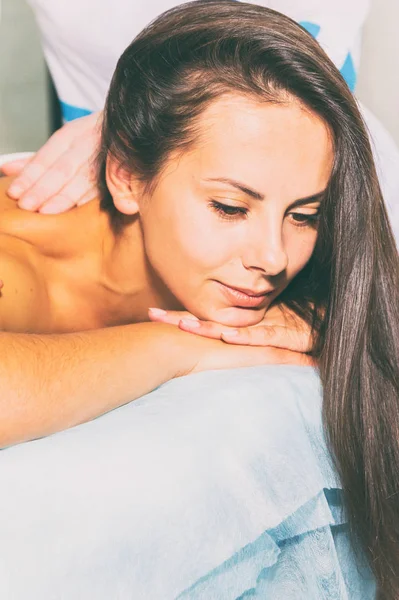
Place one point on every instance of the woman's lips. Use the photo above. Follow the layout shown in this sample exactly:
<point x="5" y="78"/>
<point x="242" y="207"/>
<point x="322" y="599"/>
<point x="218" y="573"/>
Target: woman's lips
<point x="241" y="299"/>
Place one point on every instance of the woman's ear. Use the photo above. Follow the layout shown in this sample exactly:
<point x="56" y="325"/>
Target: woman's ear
<point x="123" y="187"/>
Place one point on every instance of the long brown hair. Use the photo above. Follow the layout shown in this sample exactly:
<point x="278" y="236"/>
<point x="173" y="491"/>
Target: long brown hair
<point x="349" y="290"/>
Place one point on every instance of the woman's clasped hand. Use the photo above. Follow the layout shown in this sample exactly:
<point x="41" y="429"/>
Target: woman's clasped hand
<point x="280" y="328"/>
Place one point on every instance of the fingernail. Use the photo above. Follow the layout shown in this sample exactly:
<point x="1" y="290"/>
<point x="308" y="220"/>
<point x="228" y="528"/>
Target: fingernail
<point x="29" y="202"/>
<point x="192" y="323"/>
<point x="15" y="190"/>
<point x="231" y="333"/>
<point x="157" y="312"/>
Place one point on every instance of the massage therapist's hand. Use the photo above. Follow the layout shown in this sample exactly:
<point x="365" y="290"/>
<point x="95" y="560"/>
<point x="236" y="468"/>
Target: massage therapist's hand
<point x="59" y="175"/>
<point x="277" y="328"/>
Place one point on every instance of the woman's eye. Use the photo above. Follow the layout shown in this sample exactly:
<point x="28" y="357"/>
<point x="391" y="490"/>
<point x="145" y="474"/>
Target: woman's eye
<point x="305" y="220"/>
<point x="226" y="211"/>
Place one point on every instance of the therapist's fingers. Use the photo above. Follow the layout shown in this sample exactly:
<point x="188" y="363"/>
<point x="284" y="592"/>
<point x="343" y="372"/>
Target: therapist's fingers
<point x="87" y="196"/>
<point x="77" y="189"/>
<point x="14" y="167"/>
<point x="41" y="162"/>
<point x="59" y="178"/>
<point x="56" y="163"/>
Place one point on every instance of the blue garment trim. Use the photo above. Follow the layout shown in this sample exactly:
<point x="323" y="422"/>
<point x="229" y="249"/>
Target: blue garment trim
<point x="348" y="72"/>
<point x="70" y="112"/>
<point x="311" y="28"/>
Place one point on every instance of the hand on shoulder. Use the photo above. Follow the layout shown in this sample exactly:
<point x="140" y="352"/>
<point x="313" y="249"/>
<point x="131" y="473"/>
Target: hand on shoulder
<point x="59" y="176"/>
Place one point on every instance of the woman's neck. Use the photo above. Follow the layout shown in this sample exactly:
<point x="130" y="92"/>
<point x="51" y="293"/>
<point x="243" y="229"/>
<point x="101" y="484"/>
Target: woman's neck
<point x="94" y="277"/>
<point x="92" y="274"/>
<point x="116" y="267"/>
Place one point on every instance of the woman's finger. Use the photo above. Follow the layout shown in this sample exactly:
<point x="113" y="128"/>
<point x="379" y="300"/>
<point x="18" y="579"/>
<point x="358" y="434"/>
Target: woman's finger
<point x="279" y="336"/>
<point x="207" y="329"/>
<point x="270" y="335"/>
<point x="187" y="322"/>
<point x="172" y="317"/>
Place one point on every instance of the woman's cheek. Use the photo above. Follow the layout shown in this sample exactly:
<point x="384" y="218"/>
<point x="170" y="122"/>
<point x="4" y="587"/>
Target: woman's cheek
<point x="300" y="251"/>
<point x="179" y="245"/>
<point x="202" y="241"/>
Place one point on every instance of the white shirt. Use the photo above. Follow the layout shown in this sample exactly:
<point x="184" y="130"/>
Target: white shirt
<point x="83" y="39"/>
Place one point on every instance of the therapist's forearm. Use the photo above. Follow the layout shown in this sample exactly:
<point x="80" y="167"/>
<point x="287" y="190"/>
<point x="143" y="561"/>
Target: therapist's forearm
<point x="52" y="382"/>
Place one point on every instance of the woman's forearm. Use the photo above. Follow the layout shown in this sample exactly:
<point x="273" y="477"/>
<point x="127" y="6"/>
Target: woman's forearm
<point x="52" y="382"/>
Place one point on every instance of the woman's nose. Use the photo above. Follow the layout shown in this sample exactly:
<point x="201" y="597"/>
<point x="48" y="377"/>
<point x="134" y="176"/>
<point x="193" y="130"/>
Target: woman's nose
<point x="265" y="251"/>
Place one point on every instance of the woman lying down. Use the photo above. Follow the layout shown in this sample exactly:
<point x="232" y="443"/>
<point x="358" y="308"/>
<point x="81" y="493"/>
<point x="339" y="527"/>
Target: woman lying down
<point x="239" y="207"/>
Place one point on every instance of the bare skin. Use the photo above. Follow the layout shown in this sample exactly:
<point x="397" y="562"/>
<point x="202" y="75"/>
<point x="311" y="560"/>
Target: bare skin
<point x="69" y="272"/>
<point x="55" y="279"/>
<point x="58" y="176"/>
<point x="201" y="228"/>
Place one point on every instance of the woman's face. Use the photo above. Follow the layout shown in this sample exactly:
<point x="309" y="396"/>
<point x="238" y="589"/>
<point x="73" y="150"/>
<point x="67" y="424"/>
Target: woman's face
<point x="239" y="210"/>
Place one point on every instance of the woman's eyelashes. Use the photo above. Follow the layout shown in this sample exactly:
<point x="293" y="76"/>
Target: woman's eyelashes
<point x="305" y="219"/>
<point x="230" y="213"/>
<point x="225" y="211"/>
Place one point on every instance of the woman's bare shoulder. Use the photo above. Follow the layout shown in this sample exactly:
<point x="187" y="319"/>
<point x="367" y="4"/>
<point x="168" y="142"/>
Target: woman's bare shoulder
<point x="23" y="296"/>
<point x="15" y="222"/>
<point x="6" y="203"/>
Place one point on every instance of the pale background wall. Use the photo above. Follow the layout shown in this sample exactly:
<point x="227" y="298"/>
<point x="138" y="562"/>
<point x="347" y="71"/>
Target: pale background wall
<point x="378" y="83"/>
<point x="23" y="98"/>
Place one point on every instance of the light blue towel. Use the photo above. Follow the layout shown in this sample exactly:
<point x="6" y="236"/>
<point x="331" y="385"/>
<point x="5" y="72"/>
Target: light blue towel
<point x="215" y="486"/>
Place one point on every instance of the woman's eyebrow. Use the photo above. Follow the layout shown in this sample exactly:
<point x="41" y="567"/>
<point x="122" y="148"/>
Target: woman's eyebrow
<point x="258" y="196"/>
<point x="315" y="198"/>
<point x="240" y="186"/>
